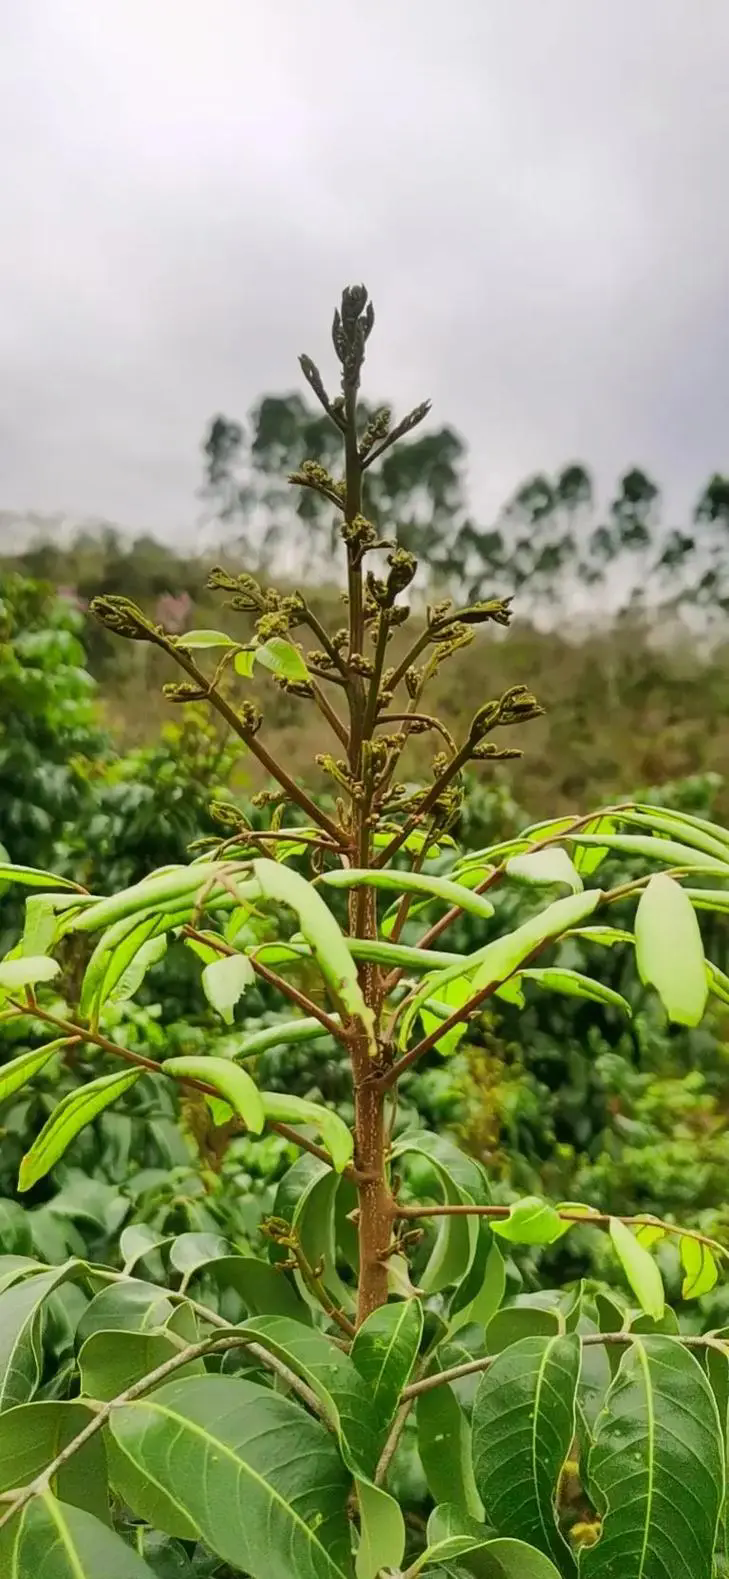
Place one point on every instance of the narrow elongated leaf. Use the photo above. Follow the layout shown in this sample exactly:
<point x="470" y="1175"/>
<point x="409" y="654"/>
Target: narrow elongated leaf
<point x="234" y="1085"/>
<point x="571" y="982"/>
<point x="286" y="1033"/>
<point x="552" y="865"/>
<point x="668" y="851"/>
<point x="639" y="1268"/>
<point x="162" y="892"/>
<point x="52" y="1540"/>
<point x="656" y="1468"/>
<point x="335" y="1135"/>
<point x="31" y="1436"/>
<point x="498" y="960"/>
<point x="321" y="932"/>
<point x="452" y="1535"/>
<point x="225" y="981"/>
<point x="678" y="825"/>
<point x="282" y="658"/>
<point x="523" y="1427"/>
<point x="384" y="1351"/>
<point x="26" y="971"/>
<point x="669" y="950"/>
<point x="130" y="980"/>
<point x="261" y="1481"/>
<point x="444" y="1448"/>
<point x="412" y="883"/>
<point x="22" y="1069"/>
<point x="35" y="877"/>
<point x="41" y="925"/>
<point x="73" y="1112"/>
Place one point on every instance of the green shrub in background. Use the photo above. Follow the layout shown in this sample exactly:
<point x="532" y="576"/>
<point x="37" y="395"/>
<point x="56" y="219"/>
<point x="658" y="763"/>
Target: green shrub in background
<point x="357" y="1377"/>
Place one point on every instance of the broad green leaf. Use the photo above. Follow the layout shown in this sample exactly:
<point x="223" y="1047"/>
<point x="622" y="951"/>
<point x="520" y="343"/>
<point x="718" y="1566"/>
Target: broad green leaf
<point x="21" y="1315"/>
<point x="665" y="850"/>
<point x="523" y="1427"/>
<point x="412" y="882"/>
<point x="384" y="1351"/>
<point x="444" y="1448"/>
<point x="552" y="865"/>
<point x="199" y="639"/>
<point x="261" y="1481"/>
<point x="70" y="1116"/>
<point x="348" y="1405"/>
<point x="453" y="996"/>
<point x="264" y="1290"/>
<point x="639" y="1268"/>
<point x="480" y="1306"/>
<point x="461" y="1184"/>
<point x="26" y="971"/>
<point x="111" y="958"/>
<point x="22" y="1069"/>
<point x="571" y="982"/>
<point x="52" y="1540"/>
<point x="35" y="877"/>
<point x="225" y="981"/>
<point x="513" y="1323"/>
<point x="589" y="857"/>
<point x="131" y="1306"/>
<point x="282" y="658"/>
<point x="306" y="1198"/>
<point x="335" y="1135"/>
<point x="32" y="1435"/>
<point x="699" y="1266"/>
<point x="322" y="933"/>
<point x="192" y="1251"/>
<point x="530" y="1222"/>
<point x="110" y="1362"/>
<point x="656" y="1468"/>
<point x="452" y="1535"/>
<point x="232" y="1082"/>
<point x="669" y="950"/>
<point x="139" y="1240"/>
<point x="500" y="959"/>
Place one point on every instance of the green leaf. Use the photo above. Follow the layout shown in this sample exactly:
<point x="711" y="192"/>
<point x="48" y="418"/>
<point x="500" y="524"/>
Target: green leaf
<point x="131" y="979"/>
<point x="139" y="1240"/>
<point x="163" y="892"/>
<point x="523" y="1428"/>
<point x="110" y="1362"/>
<point x="41" y="924"/>
<point x="283" y="659"/>
<point x="26" y="971"/>
<point x="461" y="1184"/>
<point x="513" y="1323"/>
<point x="260" y="1480"/>
<point x="22" y="1069"/>
<point x="575" y="985"/>
<point x="666" y="850"/>
<point x="54" y="1539"/>
<point x="669" y="950"/>
<point x="35" y="877"/>
<point x="483" y="1289"/>
<point x="229" y="1080"/>
<point x="306" y="1198"/>
<point x="225" y="982"/>
<point x="499" y="959"/>
<point x="412" y="883"/>
<point x="322" y="933"/>
<point x="192" y="1251"/>
<point x="444" y="1447"/>
<point x="244" y="662"/>
<point x="264" y="1290"/>
<point x="32" y="1435"/>
<point x="68" y="1118"/>
<point x="656" y="1469"/>
<point x="451" y="1535"/>
<point x="589" y="857"/>
<point x="196" y="639"/>
<point x="552" y="865"/>
<point x="701" y="835"/>
<point x="530" y="1222"/>
<point x="639" y="1268"/>
<point x="700" y="1269"/>
<point x="21" y="1313"/>
<point x="384" y="1351"/>
<point x="335" y="1136"/>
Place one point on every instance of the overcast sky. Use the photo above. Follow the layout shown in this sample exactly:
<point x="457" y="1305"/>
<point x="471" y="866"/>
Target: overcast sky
<point x="535" y="192"/>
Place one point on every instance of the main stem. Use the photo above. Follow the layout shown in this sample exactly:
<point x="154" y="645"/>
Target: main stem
<point x="376" y="1207"/>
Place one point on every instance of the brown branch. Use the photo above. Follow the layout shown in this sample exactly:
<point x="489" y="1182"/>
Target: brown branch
<point x="409" y="659"/>
<point x="318" y="630"/>
<point x="286" y="988"/>
<point x="429" y="800"/>
<point x="589" y="1219"/>
<point x="421" y="718"/>
<point x="332" y="717"/>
